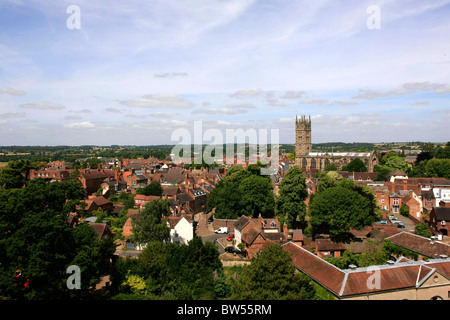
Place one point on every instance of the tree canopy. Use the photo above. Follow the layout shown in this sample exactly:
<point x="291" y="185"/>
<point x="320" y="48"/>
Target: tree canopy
<point x="272" y="276"/>
<point x="338" y="209"/>
<point x="150" y="226"/>
<point x="37" y="241"/>
<point x="290" y="204"/>
<point x="243" y="191"/>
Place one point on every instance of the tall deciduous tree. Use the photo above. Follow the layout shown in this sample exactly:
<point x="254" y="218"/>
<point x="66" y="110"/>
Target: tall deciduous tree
<point x="338" y="209"/>
<point x="149" y="225"/>
<point x="290" y="204"/>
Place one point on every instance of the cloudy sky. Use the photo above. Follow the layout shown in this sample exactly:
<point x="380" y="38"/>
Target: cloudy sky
<point x="132" y="72"/>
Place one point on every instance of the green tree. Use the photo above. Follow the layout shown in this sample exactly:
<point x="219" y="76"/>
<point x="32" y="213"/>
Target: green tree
<point x="36" y="239"/>
<point x="257" y="196"/>
<point x="326" y="181"/>
<point x="338" y="209"/>
<point x="397" y="163"/>
<point x="439" y="168"/>
<point x="404" y="211"/>
<point x="11" y="178"/>
<point x="153" y="189"/>
<point x="443" y="152"/>
<point x="290" y="204"/>
<point x="356" y="165"/>
<point x="422" y="230"/>
<point x="243" y="192"/>
<point x="382" y="172"/>
<point x="331" y="167"/>
<point x="149" y="225"/>
<point x="272" y="276"/>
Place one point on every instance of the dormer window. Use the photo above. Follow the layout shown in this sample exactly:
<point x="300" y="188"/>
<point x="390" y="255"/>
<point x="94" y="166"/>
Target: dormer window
<point x="273" y="224"/>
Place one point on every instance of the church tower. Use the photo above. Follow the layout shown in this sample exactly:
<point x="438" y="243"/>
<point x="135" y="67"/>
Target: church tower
<point x="302" y="136"/>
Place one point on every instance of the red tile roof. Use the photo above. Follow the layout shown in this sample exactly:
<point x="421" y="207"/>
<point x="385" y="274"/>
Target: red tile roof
<point x="350" y="282"/>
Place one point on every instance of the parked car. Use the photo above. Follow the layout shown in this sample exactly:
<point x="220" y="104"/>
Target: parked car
<point x="211" y="218"/>
<point x="230" y="237"/>
<point x="383" y="221"/>
<point x="400" y="225"/>
<point x="232" y="249"/>
<point x="222" y="230"/>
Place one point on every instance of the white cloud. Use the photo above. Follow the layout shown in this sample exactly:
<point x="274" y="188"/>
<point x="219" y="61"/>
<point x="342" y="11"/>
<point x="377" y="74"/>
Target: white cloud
<point x="42" y="106"/>
<point x="12" y="91"/>
<point x="247" y="93"/>
<point x="407" y="88"/>
<point x="80" y="125"/>
<point x="159" y="100"/>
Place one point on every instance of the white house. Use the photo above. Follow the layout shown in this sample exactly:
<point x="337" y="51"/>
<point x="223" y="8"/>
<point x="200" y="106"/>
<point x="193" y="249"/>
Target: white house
<point x="441" y="190"/>
<point x="181" y="229"/>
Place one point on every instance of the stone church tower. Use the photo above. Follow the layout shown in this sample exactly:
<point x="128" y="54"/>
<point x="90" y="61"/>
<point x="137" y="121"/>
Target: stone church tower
<point x="307" y="159"/>
<point x="303" y="144"/>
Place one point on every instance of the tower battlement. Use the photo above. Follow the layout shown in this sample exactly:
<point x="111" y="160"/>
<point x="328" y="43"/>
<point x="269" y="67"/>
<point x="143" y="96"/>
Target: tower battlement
<point x="303" y="122"/>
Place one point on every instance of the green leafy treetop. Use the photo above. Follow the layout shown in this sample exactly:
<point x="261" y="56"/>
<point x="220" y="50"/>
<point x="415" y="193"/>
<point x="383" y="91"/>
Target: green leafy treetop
<point x="290" y="203"/>
<point x="272" y="276"/>
<point x="149" y="225"/>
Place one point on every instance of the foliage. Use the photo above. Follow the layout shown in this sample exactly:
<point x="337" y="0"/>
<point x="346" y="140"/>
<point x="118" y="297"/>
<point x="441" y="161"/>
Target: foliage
<point x="404" y="211"/>
<point x="272" y="276"/>
<point x="356" y="165"/>
<point x="336" y="210"/>
<point x="243" y="191"/>
<point x="331" y="167"/>
<point x="443" y="152"/>
<point x="422" y="230"/>
<point x="149" y="225"/>
<point x="397" y="163"/>
<point x="382" y="172"/>
<point x="153" y="189"/>
<point x="170" y="271"/>
<point x="36" y="239"/>
<point x="11" y="178"/>
<point x="290" y="203"/>
<point x="439" y="168"/>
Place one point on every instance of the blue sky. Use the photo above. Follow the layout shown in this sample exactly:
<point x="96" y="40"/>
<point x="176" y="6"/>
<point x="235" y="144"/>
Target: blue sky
<point x="136" y="71"/>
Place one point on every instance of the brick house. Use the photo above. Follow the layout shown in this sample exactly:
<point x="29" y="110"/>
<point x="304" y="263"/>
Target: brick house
<point x="395" y="202"/>
<point x="141" y="200"/>
<point x="257" y="234"/>
<point x="413" y="205"/>
<point x="95" y="203"/>
<point x="55" y="174"/>
<point x="428" y="200"/>
<point x="440" y="219"/>
<point x="102" y="230"/>
<point x="92" y="179"/>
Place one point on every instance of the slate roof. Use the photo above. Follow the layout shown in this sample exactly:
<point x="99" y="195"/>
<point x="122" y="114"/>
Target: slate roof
<point x="442" y="213"/>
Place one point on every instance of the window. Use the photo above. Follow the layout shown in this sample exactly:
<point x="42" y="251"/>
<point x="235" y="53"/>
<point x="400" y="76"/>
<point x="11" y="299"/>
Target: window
<point x="395" y="202"/>
<point x="304" y="163"/>
<point x="273" y="224"/>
